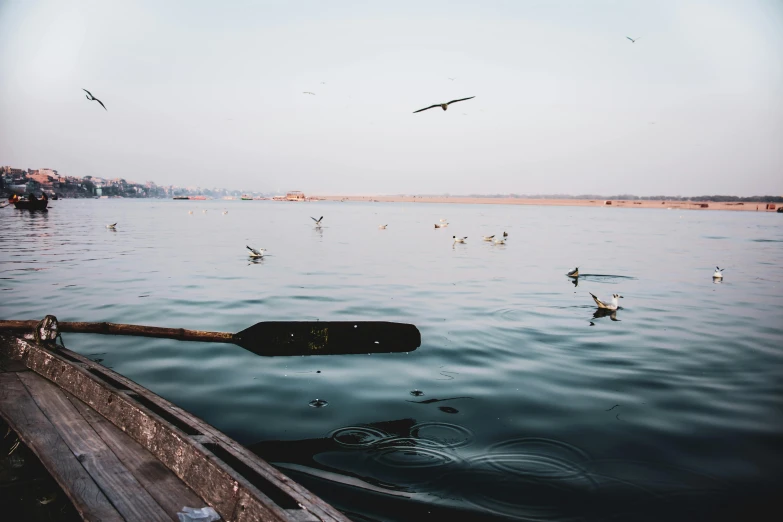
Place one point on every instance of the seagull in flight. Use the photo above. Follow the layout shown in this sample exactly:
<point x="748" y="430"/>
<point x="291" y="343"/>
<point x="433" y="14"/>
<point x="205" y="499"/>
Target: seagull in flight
<point x="256" y="253"/>
<point x="90" y="97"/>
<point x="308" y="92"/>
<point x="443" y="106"/>
<point x="608" y="306"/>
<point x="452" y="79"/>
<point x="317" y="221"/>
<point x="632" y="39"/>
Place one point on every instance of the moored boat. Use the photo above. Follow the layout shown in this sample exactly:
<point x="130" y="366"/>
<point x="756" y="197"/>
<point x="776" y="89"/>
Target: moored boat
<point x="31" y="203"/>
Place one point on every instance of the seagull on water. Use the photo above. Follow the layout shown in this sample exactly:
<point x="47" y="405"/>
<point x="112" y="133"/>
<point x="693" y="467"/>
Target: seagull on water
<point x="608" y="306"/>
<point x="443" y="106"/>
<point x="317" y="221"/>
<point x="256" y="253"/>
<point x="441" y="225"/>
<point x="225" y="212"/>
<point x="113" y="226"/>
<point x="499" y="241"/>
<point x="505" y="234"/>
<point x="633" y="40"/>
<point x="90" y="97"/>
<point x="382" y="227"/>
<point x="489" y="238"/>
<point x="190" y="211"/>
<point x="459" y="239"/>
<point x="574" y="273"/>
<point x="442" y="220"/>
<point x="718" y="273"/>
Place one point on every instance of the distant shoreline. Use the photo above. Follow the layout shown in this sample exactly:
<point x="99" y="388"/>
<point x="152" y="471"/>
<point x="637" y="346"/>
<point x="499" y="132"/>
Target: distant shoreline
<point x="659" y="204"/>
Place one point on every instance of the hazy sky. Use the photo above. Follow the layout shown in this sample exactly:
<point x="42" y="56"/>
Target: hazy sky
<point x="210" y="93"/>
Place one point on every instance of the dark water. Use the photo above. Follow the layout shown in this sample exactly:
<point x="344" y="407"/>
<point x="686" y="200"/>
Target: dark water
<point x="521" y="410"/>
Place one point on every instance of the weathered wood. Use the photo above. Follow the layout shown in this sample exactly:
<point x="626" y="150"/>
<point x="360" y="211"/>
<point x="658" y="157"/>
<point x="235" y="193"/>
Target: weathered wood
<point x="25" y="417"/>
<point x="206" y="474"/>
<point x="126" y="329"/>
<point x="167" y="490"/>
<point x="118" y="484"/>
<point x="179" y="440"/>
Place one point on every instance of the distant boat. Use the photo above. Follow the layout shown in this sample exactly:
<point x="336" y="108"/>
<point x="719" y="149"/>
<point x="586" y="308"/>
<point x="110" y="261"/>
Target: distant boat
<point x="247" y="197"/>
<point x="181" y="197"/>
<point x="29" y="204"/>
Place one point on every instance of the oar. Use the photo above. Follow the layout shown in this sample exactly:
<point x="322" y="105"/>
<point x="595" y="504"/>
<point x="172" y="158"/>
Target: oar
<point x="270" y="338"/>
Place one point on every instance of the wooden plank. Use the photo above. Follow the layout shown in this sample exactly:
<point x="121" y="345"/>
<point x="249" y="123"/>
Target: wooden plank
<point x="118" y="484"/>
<point x="176" y="438"/>
<point x="37" y="432"/>
<point x="168" y="491"/>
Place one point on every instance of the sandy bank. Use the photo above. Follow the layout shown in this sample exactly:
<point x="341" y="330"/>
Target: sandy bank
<point x="688" y="205"/>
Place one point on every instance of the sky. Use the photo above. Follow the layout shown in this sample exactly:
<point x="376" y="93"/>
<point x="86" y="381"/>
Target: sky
<point x="210" y="94"/>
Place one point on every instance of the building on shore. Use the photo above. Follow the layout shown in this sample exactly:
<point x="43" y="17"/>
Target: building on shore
<point x="295" y="195"/>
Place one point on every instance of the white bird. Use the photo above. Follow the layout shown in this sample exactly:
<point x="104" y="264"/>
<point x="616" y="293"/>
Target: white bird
<point x="113" y="226"/>
<point x="500" y="241"/>
<point x="205" y="211"/>
<point x="256" y="253"/>
<point x="442" y="220"/>
<point x="225" y="212"/>
<point x="308" y="92"/>
<point x="489" y="238"/>
<point x="611" y="306"/>
<point x="190" y="211"/>
<point x="574" y="273"/>
<point x="317" y="221"/>
<point x="718" y="273"/>
<point x="382" y="227"/>
<point x="632" y="39"/>
<point x="459" y="239"/>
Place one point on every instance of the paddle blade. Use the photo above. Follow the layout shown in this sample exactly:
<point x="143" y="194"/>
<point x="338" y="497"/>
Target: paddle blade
<point x="328" y="337"/>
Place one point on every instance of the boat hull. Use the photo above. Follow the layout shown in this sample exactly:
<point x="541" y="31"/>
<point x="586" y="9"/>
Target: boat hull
<point x="31" y="205"/>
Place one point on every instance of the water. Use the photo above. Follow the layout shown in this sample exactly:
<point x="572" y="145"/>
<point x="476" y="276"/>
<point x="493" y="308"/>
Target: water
<point x="514" y="406"/>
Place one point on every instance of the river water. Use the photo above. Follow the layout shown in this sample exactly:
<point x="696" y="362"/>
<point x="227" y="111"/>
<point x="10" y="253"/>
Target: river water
<point x="514" y="406"/>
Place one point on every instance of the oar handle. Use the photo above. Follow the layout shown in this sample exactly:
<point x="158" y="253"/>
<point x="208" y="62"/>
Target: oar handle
<point x="127" y="329"/>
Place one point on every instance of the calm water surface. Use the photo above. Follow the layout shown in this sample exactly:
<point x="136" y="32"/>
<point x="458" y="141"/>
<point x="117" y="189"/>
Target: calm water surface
<point x="521" y="408"/>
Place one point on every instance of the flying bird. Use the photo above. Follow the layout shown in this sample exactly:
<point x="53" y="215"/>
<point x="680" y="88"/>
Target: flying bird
<point x="443" y="106"/>
<point x="93" y="98"/>
<point x="256" y="253"/>
<point x="452" y="79"/>
<point x="608" y="306"/>
<point x="308" y="92"/>
<point x="317" y="221"/>
<point x="632" y="39"/>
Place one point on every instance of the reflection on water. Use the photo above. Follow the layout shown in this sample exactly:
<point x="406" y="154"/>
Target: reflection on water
<point x="504" y="409"/>
<point x="605" y="312"/>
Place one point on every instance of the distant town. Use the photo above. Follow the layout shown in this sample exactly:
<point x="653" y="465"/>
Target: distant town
<point x="51" y="182"/>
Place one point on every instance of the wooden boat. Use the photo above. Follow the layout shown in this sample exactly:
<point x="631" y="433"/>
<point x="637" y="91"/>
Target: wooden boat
<point x="31" y="204"/>
<point x="122" y="453"/>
